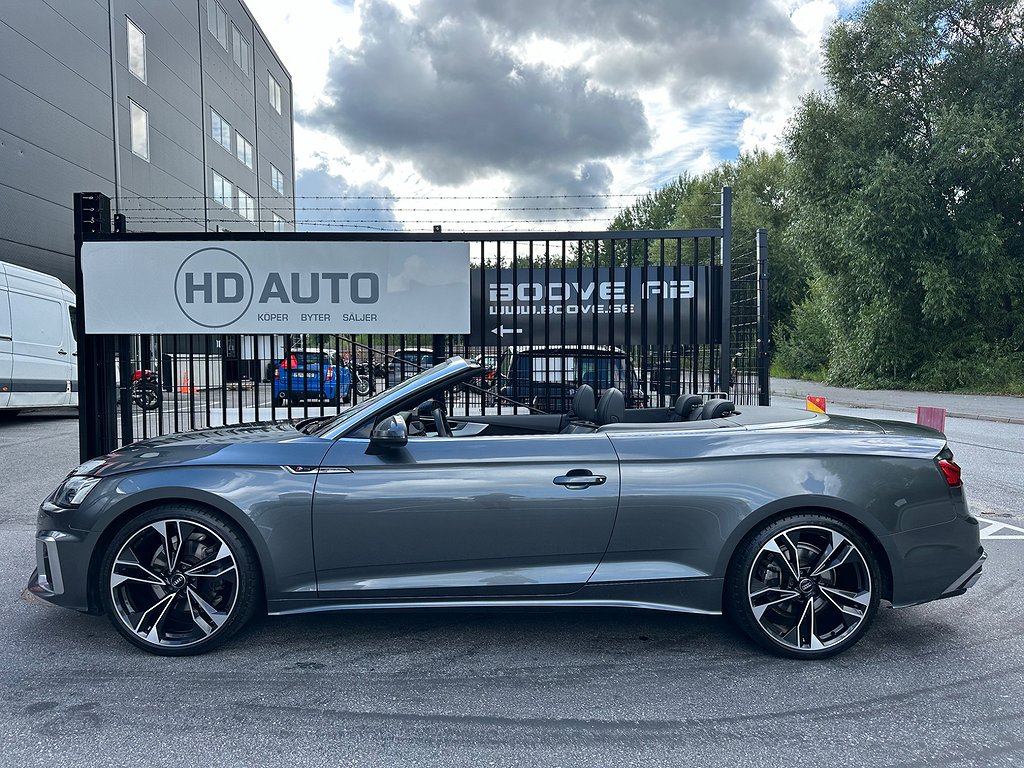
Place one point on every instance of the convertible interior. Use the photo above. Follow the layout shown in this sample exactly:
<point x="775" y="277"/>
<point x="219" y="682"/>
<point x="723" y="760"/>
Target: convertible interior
<point x="588" y="414"/>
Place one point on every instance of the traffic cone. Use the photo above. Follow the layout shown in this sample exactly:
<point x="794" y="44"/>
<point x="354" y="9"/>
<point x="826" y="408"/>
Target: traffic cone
<point x="185" y="388"/>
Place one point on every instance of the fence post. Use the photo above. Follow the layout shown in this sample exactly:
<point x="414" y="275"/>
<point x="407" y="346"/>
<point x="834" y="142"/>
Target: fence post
<point x="763" y="326"/>
<point x="97" y="417"/>
<point x="725" y="353"/>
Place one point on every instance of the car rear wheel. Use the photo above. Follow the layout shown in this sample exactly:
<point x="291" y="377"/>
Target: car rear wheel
<point x="178" y="580"/>
<point x="805" y="586"/>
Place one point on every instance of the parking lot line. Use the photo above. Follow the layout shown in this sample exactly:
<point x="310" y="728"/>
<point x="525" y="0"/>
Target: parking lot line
<point x="993" y="526"/>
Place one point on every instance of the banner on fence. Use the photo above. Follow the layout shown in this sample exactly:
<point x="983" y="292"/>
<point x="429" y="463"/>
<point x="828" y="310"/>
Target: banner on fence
<point x="591" y="305"/>
<point x="266" y="287"/>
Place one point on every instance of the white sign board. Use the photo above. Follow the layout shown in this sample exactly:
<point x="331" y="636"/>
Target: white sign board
<point x="246" y="286"/>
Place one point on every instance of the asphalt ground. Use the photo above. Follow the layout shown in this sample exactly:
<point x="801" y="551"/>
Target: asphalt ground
<point x="940" y="684"/>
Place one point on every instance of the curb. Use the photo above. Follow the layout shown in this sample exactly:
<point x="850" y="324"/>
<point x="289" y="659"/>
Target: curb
<point x="905" y="409"/>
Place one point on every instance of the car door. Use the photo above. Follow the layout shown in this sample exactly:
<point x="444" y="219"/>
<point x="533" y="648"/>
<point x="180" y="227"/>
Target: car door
<point x="464" y="516"/>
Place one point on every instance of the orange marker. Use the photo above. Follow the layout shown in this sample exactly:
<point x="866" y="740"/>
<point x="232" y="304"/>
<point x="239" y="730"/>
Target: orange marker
<point x="815" y="404"/>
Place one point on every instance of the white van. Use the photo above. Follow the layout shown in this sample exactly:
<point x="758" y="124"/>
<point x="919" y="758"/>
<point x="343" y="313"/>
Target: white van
<point x="38" y="365"/>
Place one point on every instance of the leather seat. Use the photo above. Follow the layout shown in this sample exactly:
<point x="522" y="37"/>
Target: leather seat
<point x="611" y="409"/>
<point x="687" y="408"/>
<point x="584" y="404"/>
<point x="717" y="408"/>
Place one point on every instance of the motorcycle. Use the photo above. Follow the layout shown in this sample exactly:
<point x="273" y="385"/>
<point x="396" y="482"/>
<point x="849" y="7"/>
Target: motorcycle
<point x="365" y="381"/>
<point x="145" y="390"/>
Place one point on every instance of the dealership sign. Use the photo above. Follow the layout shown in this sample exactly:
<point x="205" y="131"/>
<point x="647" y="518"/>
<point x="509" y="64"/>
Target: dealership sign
<point x="245" y="286"/>
<point x="589" y="306"/>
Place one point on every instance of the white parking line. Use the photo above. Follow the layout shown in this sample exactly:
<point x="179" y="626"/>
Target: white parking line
<point x="992" y="527"/>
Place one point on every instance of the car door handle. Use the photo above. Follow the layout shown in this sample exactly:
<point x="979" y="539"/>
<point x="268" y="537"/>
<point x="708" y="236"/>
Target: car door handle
<point x="61" y="352"/>
<point x="579" y="478"/>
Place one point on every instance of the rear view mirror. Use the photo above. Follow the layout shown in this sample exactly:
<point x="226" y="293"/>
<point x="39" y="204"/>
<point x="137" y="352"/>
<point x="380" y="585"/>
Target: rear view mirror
<point x="388" y="434"/>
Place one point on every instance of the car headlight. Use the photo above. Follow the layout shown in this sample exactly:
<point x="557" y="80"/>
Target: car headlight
<point x="73" y="490"/>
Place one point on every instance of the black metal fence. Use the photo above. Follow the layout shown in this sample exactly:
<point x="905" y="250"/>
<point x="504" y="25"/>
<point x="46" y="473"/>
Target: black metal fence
<point x="654" y="313"/>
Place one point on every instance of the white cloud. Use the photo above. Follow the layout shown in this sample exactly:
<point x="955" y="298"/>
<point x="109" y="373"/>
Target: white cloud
<point x="700" y="80"/>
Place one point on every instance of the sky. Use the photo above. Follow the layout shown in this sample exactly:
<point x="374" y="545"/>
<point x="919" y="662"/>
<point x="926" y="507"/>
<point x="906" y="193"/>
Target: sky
<point x="529" y="114"/>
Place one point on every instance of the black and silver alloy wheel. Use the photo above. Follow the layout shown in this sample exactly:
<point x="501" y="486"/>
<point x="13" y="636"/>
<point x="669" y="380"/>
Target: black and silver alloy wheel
<point x="806" y="586"/>
<point x="178" y="580"/>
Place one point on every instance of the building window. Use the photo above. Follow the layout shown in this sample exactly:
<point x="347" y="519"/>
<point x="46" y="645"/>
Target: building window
<point x="239" y="49"/>
<point x="246" y="206"/>
<point x="275" y="93"/>
<point x="220" y="129"/>
<point x="276" y="179"/>
<point x="218" y="19"/>
<point x="223" y="191"/>
<point x="279" y="223"/>
<point x="139" y="129"/>
<point x="136" y="51"/>
<point x="243" y="150"/>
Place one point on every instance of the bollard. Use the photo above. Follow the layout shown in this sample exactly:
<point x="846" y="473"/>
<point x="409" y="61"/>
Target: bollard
<point x="927" y="416"/>
<point x="815" y="404"/>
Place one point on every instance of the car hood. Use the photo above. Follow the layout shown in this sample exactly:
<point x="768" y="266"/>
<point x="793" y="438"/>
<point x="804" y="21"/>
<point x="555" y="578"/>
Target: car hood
<point x="255" y="444"/>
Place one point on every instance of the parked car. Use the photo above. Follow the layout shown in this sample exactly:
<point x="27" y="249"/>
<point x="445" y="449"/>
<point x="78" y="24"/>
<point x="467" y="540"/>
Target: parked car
<point x="311" y="374"/>
<point x="408" y="362"/>
<point x="794" y="524"/>
<point x="546" y="378"/>
<point x="38" y="349"/>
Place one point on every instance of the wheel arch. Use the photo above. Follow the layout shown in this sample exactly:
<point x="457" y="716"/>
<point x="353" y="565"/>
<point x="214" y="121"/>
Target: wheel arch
<point x="144" y="502"/>
<point x="834" y="508"/>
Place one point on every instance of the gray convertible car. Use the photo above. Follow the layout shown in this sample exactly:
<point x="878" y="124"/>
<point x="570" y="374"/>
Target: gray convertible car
<point x="796" y="525"/>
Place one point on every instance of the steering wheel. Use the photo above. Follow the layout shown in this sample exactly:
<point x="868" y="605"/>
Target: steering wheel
<point x="440" y="422"/>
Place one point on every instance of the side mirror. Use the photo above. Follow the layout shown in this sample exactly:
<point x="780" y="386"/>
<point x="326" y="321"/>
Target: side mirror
<point x="389" y="434"/>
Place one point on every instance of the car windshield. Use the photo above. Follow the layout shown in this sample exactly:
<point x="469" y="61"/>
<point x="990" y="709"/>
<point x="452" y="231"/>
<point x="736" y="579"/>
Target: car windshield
<point x="366" y="405"/>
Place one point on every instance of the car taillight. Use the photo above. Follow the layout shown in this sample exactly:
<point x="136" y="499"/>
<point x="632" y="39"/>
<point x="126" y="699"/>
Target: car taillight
<point x="330" y="373"/>
<point x="277" y="372"/>
<point x="951" y="471"/>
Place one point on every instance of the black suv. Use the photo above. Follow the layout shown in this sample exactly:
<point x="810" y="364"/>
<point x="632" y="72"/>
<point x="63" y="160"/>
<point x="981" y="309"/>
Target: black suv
<point x="546" y="378"/>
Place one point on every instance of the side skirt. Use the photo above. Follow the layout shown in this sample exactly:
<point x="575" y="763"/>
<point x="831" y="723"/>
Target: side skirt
<point x="698" y="596"/>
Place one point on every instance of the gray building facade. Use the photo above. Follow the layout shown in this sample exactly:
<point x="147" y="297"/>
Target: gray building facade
<point x="179" y="110"/>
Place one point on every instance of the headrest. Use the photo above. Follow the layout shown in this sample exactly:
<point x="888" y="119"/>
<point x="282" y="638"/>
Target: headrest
<point x="611" y="409"/>
<point x="584" y="403"/>
<point x="685" y="405"/>
<point x="717" y="408"/>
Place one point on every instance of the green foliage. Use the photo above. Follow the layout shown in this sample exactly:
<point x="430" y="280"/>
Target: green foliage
<point x="907" y="194"/>
<point x="803" y="343"/>
<point x="760" y="200"/>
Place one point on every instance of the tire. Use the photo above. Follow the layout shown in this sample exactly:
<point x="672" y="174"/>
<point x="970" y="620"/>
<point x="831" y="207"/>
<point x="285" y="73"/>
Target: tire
<point x="362" y="387"/>
<point x="179" y="610"/>
<point x="797" y="574"/>
<point x="147" y="397"/>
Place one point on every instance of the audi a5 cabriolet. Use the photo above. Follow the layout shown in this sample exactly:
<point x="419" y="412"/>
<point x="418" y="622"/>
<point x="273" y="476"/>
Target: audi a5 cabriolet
<point x="796" y="525"/>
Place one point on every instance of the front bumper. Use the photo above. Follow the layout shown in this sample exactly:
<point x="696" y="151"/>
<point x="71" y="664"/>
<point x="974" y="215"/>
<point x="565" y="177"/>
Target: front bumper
<point x="61" y="572"/>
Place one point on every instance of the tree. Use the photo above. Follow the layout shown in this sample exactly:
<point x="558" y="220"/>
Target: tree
<point x="758" y="180"/>
<point x="907" y="190"/>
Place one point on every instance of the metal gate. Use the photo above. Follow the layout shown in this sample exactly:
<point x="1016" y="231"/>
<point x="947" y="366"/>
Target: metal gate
<point x="655" y="313"/>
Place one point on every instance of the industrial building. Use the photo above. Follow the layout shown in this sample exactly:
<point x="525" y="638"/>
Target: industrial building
<point x="179" y="110"/>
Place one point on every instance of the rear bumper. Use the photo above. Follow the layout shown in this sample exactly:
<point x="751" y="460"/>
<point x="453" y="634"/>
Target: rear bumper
<point x="937" y="561"/>
<point x="967" y="580"/>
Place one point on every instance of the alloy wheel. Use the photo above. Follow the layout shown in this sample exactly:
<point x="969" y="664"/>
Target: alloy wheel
<point x="809" y="588"/>
<point x="174" y="583"/>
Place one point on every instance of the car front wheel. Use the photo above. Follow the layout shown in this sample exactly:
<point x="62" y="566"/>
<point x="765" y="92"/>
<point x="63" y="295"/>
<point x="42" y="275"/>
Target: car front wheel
<point x="179" y="580"/>
<point x="804" y="586"/>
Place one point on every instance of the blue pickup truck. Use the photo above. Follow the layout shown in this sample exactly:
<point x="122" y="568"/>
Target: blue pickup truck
<point x="311" y="374"/>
